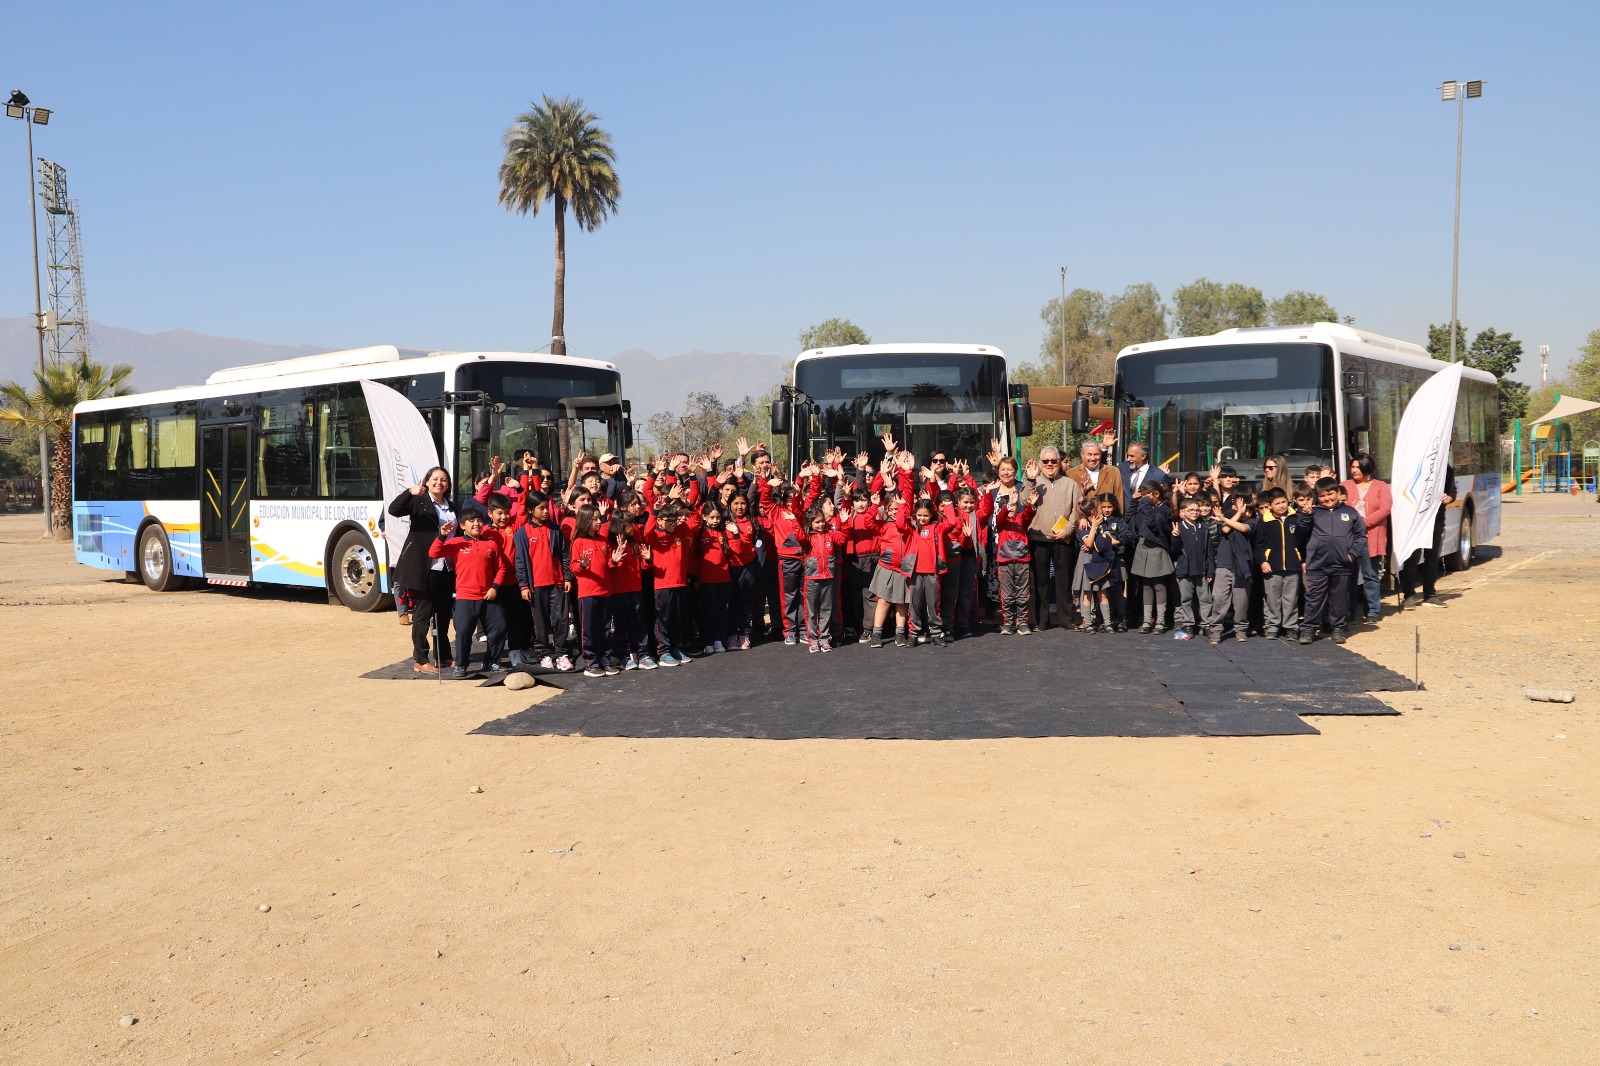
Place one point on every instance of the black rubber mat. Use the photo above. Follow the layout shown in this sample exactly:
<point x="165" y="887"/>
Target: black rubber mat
<point x="1047" y="684"/>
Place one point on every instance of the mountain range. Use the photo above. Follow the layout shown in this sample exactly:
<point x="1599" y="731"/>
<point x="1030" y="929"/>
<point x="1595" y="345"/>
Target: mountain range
<point x="181" y="357"/>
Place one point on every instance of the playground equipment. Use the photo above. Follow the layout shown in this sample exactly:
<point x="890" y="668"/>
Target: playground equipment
<point x="1555" y="465"/>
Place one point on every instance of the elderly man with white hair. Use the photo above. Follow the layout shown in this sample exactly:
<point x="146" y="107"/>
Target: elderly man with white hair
<point x="1052" y="539"/>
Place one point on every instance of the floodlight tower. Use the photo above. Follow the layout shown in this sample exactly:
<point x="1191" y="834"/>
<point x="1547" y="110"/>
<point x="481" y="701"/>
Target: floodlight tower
<point x="1460" y="91"/>
<point x="17" y="106"/>
<point x="64" y="266"/>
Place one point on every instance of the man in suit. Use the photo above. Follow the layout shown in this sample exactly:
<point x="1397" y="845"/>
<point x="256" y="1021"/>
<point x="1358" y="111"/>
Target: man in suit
<point x="1094" y="477"/>
<point x="1136" y="470"/>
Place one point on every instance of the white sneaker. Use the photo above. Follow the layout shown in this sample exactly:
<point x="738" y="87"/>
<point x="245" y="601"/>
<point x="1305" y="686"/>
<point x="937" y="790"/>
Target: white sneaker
<point x="711" y="649"/>
<point x="564" y="664"/>
<point x="718" y="647"/>
<point x="548" y="663"/>
<point x="630" y="663"/>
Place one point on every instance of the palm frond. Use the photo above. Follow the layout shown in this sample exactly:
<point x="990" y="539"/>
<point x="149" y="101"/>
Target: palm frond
<point x="557" y="151"/>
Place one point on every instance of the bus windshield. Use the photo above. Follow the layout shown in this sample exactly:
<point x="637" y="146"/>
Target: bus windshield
<point x="1231" y="404"/>
<point x="557" y="411"/>
<point x="928" y="402"/>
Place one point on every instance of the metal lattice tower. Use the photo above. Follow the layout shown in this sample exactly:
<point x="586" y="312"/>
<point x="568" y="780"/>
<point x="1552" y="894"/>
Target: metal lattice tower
<point x="64" y="266"/>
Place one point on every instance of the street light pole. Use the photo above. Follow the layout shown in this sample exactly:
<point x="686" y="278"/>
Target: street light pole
<point x="1066" y="423"/>
<point x="1458" y="91"/>
<point x="17" y="107"/>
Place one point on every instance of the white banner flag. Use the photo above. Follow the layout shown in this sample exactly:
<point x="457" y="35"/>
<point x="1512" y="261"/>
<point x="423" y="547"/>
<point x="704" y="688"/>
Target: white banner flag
<point x="1421" y="453"/>
<point x="406" y="451"/>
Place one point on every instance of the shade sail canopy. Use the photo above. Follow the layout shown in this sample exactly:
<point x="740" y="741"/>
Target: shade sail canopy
<point x="1569" y="406"/>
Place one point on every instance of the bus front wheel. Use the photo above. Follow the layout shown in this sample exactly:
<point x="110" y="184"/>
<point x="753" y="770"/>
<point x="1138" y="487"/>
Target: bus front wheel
<point x="355" y="573"/>
<point x="155" y="561"/>
<point x="1462" y="559"/>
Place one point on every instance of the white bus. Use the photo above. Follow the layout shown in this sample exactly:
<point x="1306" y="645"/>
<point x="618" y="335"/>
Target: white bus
<point x="1315" y="394"/>
<point x="930" y="397"/>
<point x="268" y="474"/>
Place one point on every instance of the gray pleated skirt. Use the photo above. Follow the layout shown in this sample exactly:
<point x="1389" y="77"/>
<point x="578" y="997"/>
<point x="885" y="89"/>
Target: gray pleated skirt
<point x="1151" y="562"/>
<point x="889" y="586"/>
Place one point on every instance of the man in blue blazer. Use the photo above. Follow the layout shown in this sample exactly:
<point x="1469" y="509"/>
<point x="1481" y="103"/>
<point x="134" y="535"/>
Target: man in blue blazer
<point x="1136" y="469"/>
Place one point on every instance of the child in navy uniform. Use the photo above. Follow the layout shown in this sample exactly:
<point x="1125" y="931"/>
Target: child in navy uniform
<point x="1279" y="537"/>
<point x="1151" y="524"/>
<point x="1230" y="584"/>
<point x="1330" y="554"/>
<point x="1197" y="558"/>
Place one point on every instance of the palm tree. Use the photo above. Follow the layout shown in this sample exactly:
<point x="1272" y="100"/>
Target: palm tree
<point x="47" y="408"/>
<point x="556" y="152"/>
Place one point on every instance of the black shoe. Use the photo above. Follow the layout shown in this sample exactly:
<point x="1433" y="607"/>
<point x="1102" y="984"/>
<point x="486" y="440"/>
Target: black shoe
<point x="937" y="640"/>
<point x="900" y="641"/>
<point x="1147" y="627"/>
<point x="1339" y="636"/>
<point x="877" y="639"/>
<point x="1305" y="638"/>
<point x="1121" y="627"/>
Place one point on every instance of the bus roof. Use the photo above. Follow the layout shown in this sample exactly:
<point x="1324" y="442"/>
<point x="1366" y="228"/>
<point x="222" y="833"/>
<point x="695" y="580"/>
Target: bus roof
<point x="1345" y="339"/>
<point x="355" y="364"/>
<point x="913" y="348"/>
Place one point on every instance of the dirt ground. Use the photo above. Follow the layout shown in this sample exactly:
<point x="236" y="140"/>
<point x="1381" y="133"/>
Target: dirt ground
<point x="1396" y="890"/>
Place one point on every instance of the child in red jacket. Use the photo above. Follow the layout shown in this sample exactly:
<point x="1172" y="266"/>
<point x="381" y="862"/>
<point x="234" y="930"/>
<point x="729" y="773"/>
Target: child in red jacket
<point x="479" y="570"/>
<point x="1013" y="508"/>
<point x="966" y="527"/>
<point x="824" y="541"/>
<point x="630" y="637"/>
<point x="714" y="547"/>
<point x="592" y="559"/>
<point x="744" y="572"/>
<point x="506" y="516"/>
<point x="670" y="536"/>
<point x="781" y="520"/>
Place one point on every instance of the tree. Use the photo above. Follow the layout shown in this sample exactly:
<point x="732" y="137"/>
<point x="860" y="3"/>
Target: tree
<point x="1499" y="354"/>
<point x="1135" y="316"/>
<point x="47" y="408"/>
<point x="1301" y="308"/>
<point x="557" y="153"/>
<point x="1204" y="307"/>
<point x="1074" y="349"/>
<point x="1439" y="341"/>
<point x="831" y="334"/>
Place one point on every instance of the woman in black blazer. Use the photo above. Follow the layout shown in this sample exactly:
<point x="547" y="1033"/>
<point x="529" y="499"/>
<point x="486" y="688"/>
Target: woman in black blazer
<point x="431" y="581"/>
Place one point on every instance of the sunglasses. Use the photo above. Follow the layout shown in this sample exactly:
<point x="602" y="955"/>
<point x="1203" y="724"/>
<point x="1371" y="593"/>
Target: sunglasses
<point x="1270" y="466"/>
<point x="1050" y="462"/>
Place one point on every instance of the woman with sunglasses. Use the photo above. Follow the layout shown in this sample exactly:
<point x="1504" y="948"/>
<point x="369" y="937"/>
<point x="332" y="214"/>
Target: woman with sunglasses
<point x="1275" y="475"/>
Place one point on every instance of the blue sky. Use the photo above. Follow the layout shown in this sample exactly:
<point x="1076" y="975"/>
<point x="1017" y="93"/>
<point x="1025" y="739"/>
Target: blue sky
<point x="325" y="173"/>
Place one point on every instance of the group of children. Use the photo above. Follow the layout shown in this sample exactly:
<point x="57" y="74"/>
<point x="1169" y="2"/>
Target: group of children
<point x="1219" y="549"/>
<point x="640" y="573"/>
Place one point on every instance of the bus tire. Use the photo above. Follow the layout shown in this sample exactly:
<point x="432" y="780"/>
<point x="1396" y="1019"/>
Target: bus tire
<point x="155" y="561"/>
<point x="355" y="573"/>
<point x="1461" y="559"/>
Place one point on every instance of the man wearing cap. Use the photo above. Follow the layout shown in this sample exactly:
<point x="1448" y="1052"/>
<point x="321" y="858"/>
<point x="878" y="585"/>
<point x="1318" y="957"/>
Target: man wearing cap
<point x="613" y="479"/>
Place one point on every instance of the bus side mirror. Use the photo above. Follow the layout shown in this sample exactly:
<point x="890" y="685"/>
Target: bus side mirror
<point x="627" y="431"/>
<point x="1080" y="415"/>
<point x="480" y="424"/>
<point x="1357" y="418"/>
<point x="1022" y="419"/>
<point x="782" y="415"/>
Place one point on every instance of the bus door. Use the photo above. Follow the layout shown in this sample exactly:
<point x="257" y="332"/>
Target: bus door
<point x="225" y="500"/>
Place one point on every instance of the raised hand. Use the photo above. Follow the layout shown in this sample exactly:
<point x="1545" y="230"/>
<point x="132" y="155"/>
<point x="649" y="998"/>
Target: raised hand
<point x="863" y="460"/>
<point x="1031" y="470"/>
<point x="906" y="461"/>
<point x="744" y="447"/>
<point x="889" y="446"/>
<point x="447" y="527"/>
<point x="418" y="489"/>
<point x="1107" y="440"/>
<point x="709" y="460"/>
<point x="715" y="453"/>
<point x="495" y="466"/>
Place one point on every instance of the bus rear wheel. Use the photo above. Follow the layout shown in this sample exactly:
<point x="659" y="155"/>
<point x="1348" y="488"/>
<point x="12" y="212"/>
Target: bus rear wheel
<point x="355" y="573"/>
<point x="155" y="561"/>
